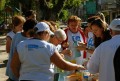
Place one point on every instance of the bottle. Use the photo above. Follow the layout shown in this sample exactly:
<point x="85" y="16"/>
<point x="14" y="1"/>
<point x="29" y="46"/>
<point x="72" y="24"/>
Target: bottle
<point x="77" y="53"/>
<point x="86" y="75"/>
<point x="85" y="78"/>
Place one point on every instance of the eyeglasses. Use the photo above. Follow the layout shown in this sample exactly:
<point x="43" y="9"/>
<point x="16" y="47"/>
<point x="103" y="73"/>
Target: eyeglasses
<point x="60" y="41"/>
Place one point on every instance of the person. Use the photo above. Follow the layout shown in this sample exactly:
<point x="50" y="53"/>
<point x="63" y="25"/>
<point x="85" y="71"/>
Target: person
<point x="89" y="47"/>
<point x="52" y="28"/>
<point x="102" y="17"/>
<point x="17" y="23"/>
<point x="38" y="55"/>
<point x="100" y="31"/>
<point x="74" y="35"/>
<point x="27" y="33"/>
<point x="30" y="14"/>
<point x="102" y="59"/>
<point x="54" y="24"/>
<point x="57" y="38"/>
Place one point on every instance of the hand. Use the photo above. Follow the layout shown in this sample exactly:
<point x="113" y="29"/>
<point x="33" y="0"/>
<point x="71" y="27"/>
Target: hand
<point x="67" y="52"/>
<point x="82" y="44"/>
<point x="65" y="45"/>
<point x="81" y="48"/>
<point x="81" y="68"/>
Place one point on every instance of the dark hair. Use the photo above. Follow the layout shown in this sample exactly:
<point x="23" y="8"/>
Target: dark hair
<point x="29" y="24"/>
<point x="29" y="13"/>
<point x="90" y="19"/>
<point x="100" y="23"/>
<point x="98" y="40"/>
<point x="105" y="32"/>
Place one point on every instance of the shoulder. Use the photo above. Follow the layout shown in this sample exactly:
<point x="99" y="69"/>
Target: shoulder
<point x="49" y="45"/>
<point x="104" y="45"/>
<point x="10" y="34"/>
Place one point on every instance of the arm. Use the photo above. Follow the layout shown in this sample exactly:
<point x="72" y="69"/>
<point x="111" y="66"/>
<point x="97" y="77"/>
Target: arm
<point x="83" y="46"/>
<point x="8" y="44"/>
<point x="93" y="63"/>
<point x="66" y="52"/>
<point x="15" y="64"/>
<point x="61" y="63"/>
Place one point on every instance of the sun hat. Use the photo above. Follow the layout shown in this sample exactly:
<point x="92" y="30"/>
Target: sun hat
<point x="115" y="24"/>
<point x="42" y="26"/>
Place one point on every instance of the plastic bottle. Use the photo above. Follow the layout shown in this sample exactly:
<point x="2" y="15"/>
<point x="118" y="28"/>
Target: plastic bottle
<point x="77" y="53"/>
<point x="85" y="75"/>
<point x="75" y="44"/>
<point x="85" y="78"/>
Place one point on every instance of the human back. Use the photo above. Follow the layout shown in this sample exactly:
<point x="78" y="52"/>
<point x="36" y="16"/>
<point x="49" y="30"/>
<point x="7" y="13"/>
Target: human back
<point x="107" y="56"/>
<point x="36" y="53"/>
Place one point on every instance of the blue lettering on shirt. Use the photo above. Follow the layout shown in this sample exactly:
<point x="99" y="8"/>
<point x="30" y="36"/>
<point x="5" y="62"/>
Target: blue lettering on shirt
<point x="90" y="43"/>
<point x="33" y="46"/>
<point x="76" y="38"/>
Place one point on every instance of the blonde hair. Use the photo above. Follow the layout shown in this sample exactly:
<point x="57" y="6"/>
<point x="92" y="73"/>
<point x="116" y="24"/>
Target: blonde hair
<point x="74" y="18"/>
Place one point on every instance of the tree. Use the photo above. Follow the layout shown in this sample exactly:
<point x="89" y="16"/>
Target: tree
<point x="51" y="9"/>
<point x="2" y="4"/>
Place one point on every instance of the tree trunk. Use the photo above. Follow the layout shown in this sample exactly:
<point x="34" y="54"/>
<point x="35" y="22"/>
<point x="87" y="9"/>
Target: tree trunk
<point x="51" y="13"/>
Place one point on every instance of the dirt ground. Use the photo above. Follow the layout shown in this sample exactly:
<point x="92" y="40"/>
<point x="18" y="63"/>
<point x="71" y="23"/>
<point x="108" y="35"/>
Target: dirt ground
<point x="3" y="59"/>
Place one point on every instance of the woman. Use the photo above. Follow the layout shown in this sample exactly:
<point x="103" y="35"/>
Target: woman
<point x="101" y="32"/>
<point x="33" y="57"/>
<point x="17" y="23"/>
<point x="26" y="33"/>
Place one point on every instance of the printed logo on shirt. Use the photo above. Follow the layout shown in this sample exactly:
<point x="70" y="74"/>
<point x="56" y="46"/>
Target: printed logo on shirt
<point x="90" y="42"/>
<point x="76" y="38"/>
<point x="33" y="46"/>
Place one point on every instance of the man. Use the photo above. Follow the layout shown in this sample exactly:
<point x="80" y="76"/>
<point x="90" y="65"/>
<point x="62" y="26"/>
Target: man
<point x="102" y="59"/>
<point x="30" y="14"/>
<point x="74" y="36"/>
<point x="57" y="38"/>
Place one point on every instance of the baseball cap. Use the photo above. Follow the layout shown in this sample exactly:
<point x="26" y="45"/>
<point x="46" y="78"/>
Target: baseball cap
<point x="42" y="26"/>
<point x="115" y="24"/>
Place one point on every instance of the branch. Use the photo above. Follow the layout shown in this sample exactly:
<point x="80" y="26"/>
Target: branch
<point x="59" y="6"/>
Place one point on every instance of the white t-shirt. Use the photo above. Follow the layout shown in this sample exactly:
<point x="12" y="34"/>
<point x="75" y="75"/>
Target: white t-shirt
<point x="16" y="39"/>
<point x="90" y="43"/>
<point x="35" y="61"/>
<point x="102" y="59"/>
<point x="71" y="38"/>
<point x="11" y="34"/>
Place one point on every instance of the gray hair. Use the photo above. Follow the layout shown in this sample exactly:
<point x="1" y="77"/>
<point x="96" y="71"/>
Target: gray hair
<point x="60" y="34"/>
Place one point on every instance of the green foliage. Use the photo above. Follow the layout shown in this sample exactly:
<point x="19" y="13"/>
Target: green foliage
<point x="72" y="3"/>
<point x="50" y="5"/>
<point x="64" y="15"/>
<point x="2" y="4"/>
